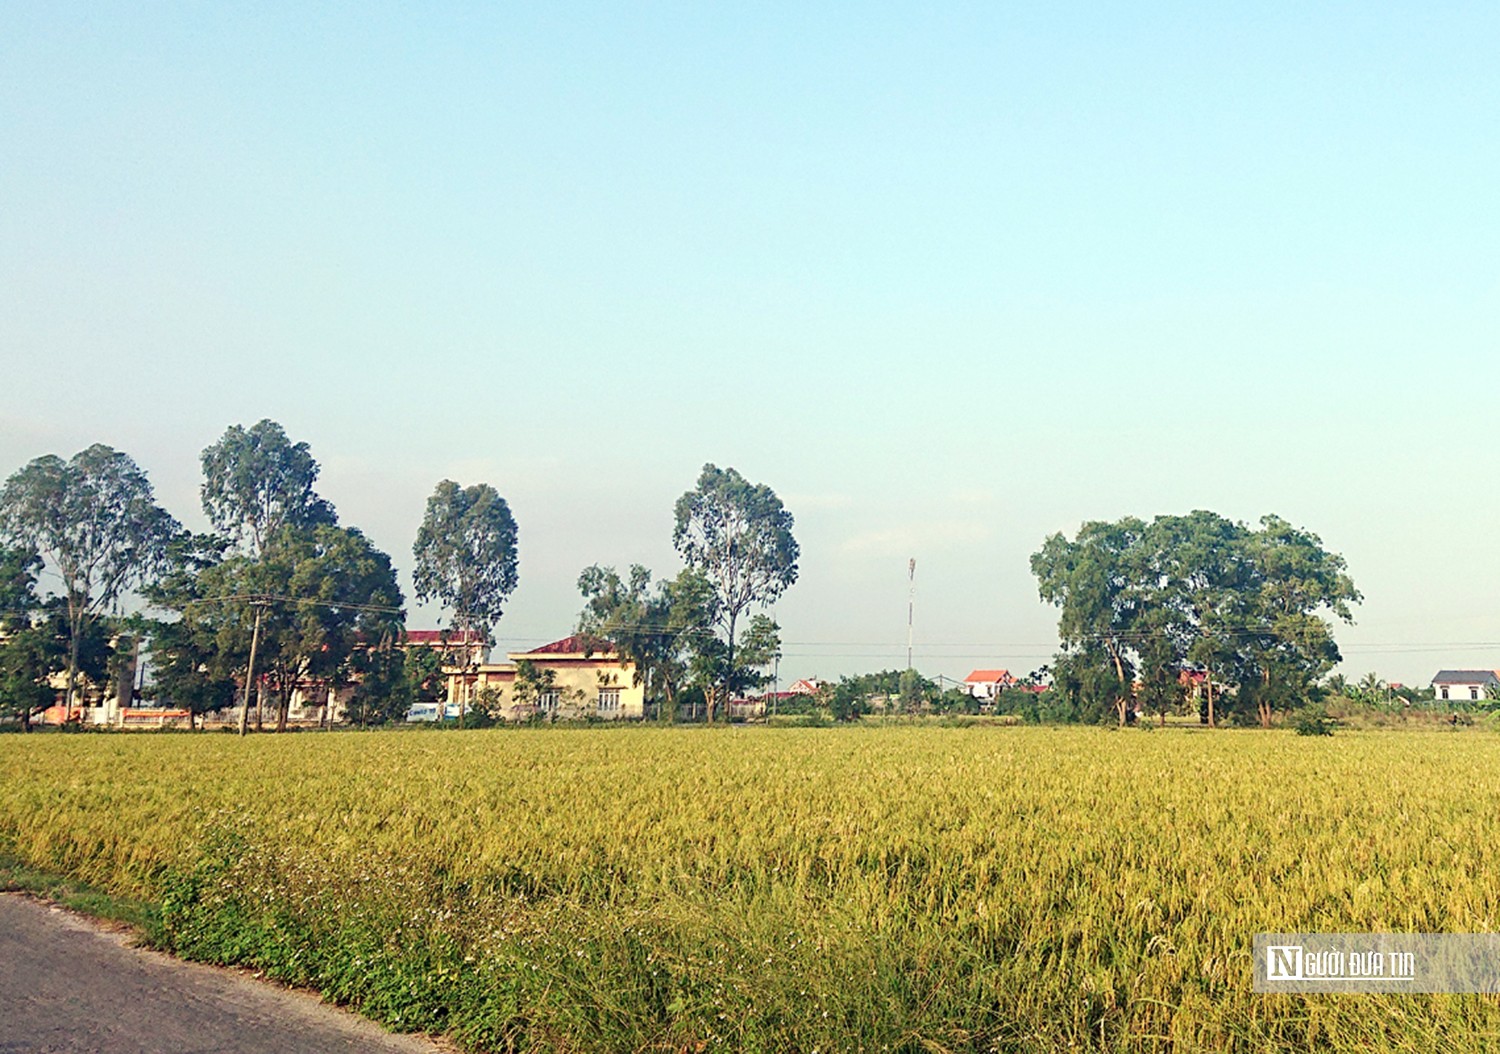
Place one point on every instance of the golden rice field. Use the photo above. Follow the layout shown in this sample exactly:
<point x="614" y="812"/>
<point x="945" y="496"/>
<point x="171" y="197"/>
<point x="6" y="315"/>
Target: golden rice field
<point x="878" y="889"/>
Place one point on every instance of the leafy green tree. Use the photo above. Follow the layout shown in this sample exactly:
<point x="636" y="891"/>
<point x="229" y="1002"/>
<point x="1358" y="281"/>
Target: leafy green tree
<point x="258" y="490"/>
<point x="738" y="536"/>
<point x="855" y="696"/>
<point x="912" y="692"/>
<point x="30" y="652"/>
<point x="94" y="518"/>
<point x="1159" y="655"/>
<point x="383" y="683"/>
<point x="759" y="649"/>
<point x="489" y="706"/>
<point x="659" y="630"/>
<point x="466" y="557"/>
<point x="1099" y="582"/>
<point x="188" y="668"/>
<point x="845" y="700"/>
<point x="1204" y="590"/>
<point x="423" y="668"/>
<point x="1297" y="586"/>
<point x="28" y="658"/>
<point x="328" y="592"/>
<point x="1085" y="678"/>
<point x="19" y="569"/>
<point x="1249" y="607"/>
<point x="187" y="674"/>
<point x="257" y="481"/>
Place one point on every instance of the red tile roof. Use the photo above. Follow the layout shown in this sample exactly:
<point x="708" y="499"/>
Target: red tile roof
<point x="577" y="644"/>
<point x="443" y="636"/>
<point x="989" y="677"/>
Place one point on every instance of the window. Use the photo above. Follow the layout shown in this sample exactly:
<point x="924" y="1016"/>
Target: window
<point x="547" y="702"/>
<point x="1473" y="693"/>
<point x="1445" y="691"/>
<point x="609" y="700"/>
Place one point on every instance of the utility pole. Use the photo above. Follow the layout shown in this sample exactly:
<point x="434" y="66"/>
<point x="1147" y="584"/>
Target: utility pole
<point x="911" y="603"/>
<point x="260" y="606"/>
<point x="775" y="683"/>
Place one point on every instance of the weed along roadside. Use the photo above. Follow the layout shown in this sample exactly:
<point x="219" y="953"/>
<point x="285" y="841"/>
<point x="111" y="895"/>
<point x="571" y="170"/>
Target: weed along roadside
<point x="770" y="889"/>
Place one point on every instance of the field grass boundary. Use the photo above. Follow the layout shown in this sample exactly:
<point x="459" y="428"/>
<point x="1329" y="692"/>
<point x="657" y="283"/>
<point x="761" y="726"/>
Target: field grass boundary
<point x="18" y="876"/>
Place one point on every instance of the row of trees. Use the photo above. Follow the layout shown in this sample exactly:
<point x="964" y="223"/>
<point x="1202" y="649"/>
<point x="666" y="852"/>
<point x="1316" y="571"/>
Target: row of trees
<point x="277" y="578"/>
<point x="693" y="637"/>
<point x="280" y="595"/>
<point x="1145" y="606"/>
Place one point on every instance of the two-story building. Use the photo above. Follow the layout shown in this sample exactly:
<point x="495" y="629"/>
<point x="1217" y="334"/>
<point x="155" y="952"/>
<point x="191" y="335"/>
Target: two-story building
<point x="575" y="677"/>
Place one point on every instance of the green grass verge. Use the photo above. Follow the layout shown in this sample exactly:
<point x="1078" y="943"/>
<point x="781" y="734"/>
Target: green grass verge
<point x="17" y="876"/>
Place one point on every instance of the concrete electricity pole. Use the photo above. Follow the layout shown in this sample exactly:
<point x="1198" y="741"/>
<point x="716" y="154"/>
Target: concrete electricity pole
<point x="260" y="606"/>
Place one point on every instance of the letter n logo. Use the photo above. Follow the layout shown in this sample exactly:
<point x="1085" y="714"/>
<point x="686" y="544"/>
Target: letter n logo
<point x="1284" y="962"/>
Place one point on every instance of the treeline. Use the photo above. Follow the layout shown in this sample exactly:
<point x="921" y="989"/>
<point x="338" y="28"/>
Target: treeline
<point x="1192" y="609"/>
<point x="281" y="596"/>
<point x="1155" y="617"/>
<point x="278" y="578"/>
<point x="910" y="694"/>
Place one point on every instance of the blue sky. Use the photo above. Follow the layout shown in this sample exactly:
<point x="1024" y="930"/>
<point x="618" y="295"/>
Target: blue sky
<point x="947" y="279"/>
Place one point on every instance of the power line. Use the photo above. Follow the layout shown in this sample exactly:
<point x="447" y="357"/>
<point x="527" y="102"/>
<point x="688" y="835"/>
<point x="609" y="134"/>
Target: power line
<point x="970" y="647"/>
<point x="303" y="601"/>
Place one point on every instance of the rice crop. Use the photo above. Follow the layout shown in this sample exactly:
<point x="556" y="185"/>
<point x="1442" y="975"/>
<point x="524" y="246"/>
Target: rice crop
<point x="910" y="888"/>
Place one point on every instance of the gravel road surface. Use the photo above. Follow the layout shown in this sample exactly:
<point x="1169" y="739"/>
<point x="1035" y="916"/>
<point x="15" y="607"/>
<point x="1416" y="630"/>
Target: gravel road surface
<point x="69" y="985"/>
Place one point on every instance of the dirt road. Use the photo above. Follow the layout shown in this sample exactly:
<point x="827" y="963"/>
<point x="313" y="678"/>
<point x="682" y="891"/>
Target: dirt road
<point x="69" y="986"/>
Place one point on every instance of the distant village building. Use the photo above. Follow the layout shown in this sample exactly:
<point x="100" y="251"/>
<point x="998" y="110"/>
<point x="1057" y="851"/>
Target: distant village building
<point x="985" y="685"/>
<point x="460" y="649"/>
<point x="1466" y="685"/>
<point x="756" y="706"/>
<point x="320" y="703"/>
<point x="578" y="676"/>
<point x="110" y="704"/>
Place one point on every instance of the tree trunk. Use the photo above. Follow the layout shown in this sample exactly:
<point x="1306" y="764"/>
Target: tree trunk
<point x="1208" y="686"/>
<point x="728" y="675"/>
<point x="75" y="628"/>
<point x="463" y="643"/>
<point x="1124" y="693"/>
<point x="1265" y="699"/>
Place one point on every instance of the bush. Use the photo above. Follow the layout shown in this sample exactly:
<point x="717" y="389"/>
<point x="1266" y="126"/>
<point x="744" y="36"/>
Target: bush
<point x="1313" y="721"/>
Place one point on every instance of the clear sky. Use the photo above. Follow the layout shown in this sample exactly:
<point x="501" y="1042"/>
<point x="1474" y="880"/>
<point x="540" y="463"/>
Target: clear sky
<point x="947" y="277"/>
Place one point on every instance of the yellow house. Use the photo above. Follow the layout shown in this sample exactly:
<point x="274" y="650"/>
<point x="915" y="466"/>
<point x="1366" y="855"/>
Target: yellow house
<point x="575" y="677"/>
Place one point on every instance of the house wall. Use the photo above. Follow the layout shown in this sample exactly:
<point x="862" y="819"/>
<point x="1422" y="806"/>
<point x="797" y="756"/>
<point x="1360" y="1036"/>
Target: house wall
<point x="308" y="703"/>
<point x="1462" y="692"/>
<point x="579" y="683"/>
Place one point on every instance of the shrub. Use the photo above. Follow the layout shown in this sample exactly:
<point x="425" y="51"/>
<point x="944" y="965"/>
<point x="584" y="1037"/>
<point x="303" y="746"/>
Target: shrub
<point x="1313" y="721"/>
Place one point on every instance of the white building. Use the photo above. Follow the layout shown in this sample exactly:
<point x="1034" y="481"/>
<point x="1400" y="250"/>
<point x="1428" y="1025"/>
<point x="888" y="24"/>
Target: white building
<point x="1466" y="685"/>
<point x="985" y="685"/>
